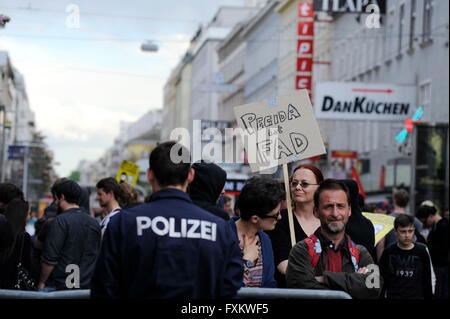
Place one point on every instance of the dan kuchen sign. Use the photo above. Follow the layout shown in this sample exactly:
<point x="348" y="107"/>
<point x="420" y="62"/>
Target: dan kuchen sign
<point x="348" y="6"/>
<point x="362" y="101"/>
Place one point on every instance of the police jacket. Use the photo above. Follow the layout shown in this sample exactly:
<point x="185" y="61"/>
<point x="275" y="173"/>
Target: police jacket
<point x="168" y="248"/>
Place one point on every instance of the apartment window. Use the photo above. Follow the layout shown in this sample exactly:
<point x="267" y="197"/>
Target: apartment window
<point x="401" y="24"/>
<point x="427" y="17"/>
<point x="389" y="36"/>
<point x="412" y="24"/>
<point x="425" y="95"/>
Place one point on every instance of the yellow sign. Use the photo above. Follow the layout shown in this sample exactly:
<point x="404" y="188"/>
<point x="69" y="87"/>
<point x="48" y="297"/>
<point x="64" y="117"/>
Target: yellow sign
<point x="383" y="224"/>
<point x="128" y="172"/>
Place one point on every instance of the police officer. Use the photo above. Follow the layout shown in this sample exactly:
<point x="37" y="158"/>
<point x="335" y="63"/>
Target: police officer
<point x="168" y="247"/>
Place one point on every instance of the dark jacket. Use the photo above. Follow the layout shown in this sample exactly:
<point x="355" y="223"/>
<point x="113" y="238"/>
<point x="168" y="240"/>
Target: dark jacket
<point x="438" y="240"/>
<point x="74" y="238"/>
<point x="359" y="228"/>
<point x="168" y="248"/>
<point x="207" y="186"/>
<point x="268" y="280"/>
<point x="8" y="266"/>
<point x="301" y="274"/>
<point x="6" y="236"/>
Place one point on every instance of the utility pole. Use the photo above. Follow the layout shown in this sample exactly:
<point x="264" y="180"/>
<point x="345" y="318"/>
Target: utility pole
<point x="26" y="163"/>
<point x="2" y="145"/>
<point x="25" y="171"/>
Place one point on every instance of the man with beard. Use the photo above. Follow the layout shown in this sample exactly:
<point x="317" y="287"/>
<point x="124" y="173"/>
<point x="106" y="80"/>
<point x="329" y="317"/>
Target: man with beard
<point x="329" y="259"/>
<point x="108" y="195"/>
<point x="73" y="239"/>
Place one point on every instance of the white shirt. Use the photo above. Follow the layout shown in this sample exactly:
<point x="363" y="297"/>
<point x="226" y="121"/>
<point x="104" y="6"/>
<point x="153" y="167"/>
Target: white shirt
<point x="107" y="218"/>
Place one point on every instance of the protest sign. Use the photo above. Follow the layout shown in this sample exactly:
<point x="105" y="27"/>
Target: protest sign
<point x="279" y="135"/>
<point x="282" y="134"/>
<point x="128" y="172"/>
<point x="383" y="224"/>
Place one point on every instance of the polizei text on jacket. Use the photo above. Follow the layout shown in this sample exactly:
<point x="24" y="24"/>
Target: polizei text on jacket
<point x="175" y="228"/>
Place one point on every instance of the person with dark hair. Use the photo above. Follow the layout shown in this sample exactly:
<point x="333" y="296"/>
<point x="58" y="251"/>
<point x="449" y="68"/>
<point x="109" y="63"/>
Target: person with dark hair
<point x="6" y="236"/>
<point x="84" y="200"/>
<point x="42" y="228"/>
<point x="168" y="247"/>
<point x="438" y="240"/>
<point x="228" y="205"/>
<point x="303" y="182"/>
<point x="73" y="239"/>
<point x="359" y="228"/>
<point x="405" y="266"/>
<point x="8" y="192"/>
<point x="236" y="207"/>
<point x="108" y="195"/>
<point x="427" y="214"/>
<point x="382" y="208"/>
<point x="259" y="204"/>
<point x="207" y="186"/>
<point x="400" y="202"/>
<point x="19" y="250"/>
<point x="329" y="259"/>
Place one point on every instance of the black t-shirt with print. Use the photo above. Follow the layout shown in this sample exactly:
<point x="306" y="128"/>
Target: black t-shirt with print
<point x="406" y="273"/>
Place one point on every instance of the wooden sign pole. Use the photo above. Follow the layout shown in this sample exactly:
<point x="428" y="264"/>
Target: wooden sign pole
<point x="288" y="202"/>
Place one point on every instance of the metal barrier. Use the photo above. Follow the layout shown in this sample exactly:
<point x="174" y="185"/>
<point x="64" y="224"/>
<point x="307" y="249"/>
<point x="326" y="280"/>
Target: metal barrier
<point x="64" y="294"/>
<point x="285" y="293"/>
<point x="245" y="292"/>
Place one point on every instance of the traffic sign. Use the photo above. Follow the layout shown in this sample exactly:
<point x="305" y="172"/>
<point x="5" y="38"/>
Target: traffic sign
<point x="16" y="152"/>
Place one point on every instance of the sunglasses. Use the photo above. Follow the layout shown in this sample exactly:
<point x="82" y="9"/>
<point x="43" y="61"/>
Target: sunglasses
<point x="294" y="184"/>
<point x="271" y="216"/>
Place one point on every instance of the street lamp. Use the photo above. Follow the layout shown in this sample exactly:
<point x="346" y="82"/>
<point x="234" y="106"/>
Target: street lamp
<point x="149" y="46"/>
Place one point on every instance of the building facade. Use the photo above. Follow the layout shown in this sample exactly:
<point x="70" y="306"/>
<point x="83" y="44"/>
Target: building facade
<point x="410" y="48"/>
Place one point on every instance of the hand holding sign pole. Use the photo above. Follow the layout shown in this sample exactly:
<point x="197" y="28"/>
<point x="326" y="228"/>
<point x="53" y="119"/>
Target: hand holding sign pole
<point x="274" y="136"/>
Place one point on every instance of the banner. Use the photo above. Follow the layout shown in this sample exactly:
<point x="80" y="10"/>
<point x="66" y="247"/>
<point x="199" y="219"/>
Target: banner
<point x="383" y="224"/>
<point x="128" y="172"/>
<point x="305" y="46"/>
<point x="362" y="101"/>
<point x="348" y="6"/>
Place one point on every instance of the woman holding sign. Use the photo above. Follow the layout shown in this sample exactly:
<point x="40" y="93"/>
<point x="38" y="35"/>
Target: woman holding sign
<point x="303" y="183"/>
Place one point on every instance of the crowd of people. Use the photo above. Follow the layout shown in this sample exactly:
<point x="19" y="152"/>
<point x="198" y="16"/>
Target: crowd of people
<point x="186" y="240"/>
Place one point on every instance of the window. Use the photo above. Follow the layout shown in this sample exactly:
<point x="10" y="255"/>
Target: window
<point x="427" y="16"/>
<point x="365" y="166"/>
<point x="425" y="95"/>
<point x="401" y="24"/>
<point x="412" y="24"/>
<point x="389" y="36"/>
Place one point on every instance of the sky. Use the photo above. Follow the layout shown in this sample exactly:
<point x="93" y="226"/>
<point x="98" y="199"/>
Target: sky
<point x="83" y="67"/>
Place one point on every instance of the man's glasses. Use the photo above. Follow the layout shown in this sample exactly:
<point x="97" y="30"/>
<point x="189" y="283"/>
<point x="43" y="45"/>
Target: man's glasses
<point x="271" y="216"/>
<point x="294" y="184"/>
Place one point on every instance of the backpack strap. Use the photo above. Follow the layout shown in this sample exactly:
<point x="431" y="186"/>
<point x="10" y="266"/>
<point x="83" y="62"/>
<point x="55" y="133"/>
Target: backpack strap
<point x="314" y="249"/>
<point x="354" y="253"/>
